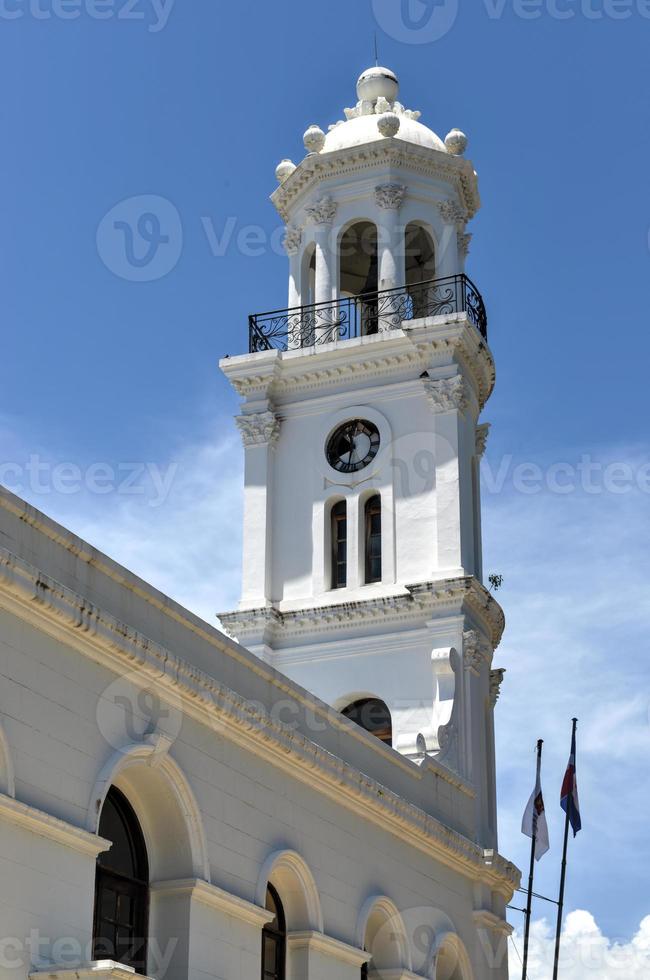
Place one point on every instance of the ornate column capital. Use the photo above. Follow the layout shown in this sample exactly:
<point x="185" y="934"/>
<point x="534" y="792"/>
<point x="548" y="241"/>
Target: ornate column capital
<point x="475" y="653"/>
<point x="482" y="433"/>
<point x="447" y="394"/>
<point x="292" y="240"/>
<point x="464" y="241"/>
<point x="452" y="213"/>
<point x="322" y="212"/>
<point x="262" y="429"/>
<point x="390" y="197"/>
<point x="496" y="680"/>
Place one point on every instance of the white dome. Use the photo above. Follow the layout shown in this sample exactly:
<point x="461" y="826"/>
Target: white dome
<point x="378" y="89"/>
<point x="364" y="129"/>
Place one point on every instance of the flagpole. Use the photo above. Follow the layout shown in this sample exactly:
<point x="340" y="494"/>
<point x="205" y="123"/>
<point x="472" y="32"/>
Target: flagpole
<point x="531" y="876"/>
<point x="560" y="908"/>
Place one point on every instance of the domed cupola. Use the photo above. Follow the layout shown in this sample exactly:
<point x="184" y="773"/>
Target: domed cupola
<point x="376" y="216"/>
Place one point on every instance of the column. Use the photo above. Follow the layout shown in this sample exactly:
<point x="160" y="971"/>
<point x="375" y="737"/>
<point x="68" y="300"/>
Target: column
<point x="292" y="242"/>
<point x="390" y="242"/>
<point x="454" y="246"/>
<point x="322" y="216"/>
<point x="260" y="433"/>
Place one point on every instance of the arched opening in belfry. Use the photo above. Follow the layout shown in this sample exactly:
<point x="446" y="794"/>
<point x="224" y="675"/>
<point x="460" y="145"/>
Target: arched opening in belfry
<point x="420" y="255"/>
<point x="374" y="716"/>
<point x="359" y="275"/>
<point x="308" y="277"/>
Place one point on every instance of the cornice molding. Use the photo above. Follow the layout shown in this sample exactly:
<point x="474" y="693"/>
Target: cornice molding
<point x="419" y="343"/>
<point x="318" y="942"/>
<point x="447" y="596"/>
<point x="45" y="825"/>
<point x="216" y="898"/>
<point x="55" y="608"/>
<point x="391" y="153"/>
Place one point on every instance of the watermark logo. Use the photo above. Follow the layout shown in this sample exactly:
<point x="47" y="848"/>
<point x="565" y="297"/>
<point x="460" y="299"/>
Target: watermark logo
<point x="141" y="238"/>
<point x="40" y="477"/>
<point x="416" y="21"/>
<point x="155" y="13"/>
<point x="127" y="712"/>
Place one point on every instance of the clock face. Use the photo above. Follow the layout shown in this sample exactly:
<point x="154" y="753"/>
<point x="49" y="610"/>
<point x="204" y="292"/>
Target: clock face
<point x="352" y="446"/>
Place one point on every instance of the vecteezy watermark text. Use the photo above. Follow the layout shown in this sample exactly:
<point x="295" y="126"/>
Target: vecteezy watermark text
<point x="427" y="21"/>
<point x="39" y="476"/>
<point x="155" y="13"/>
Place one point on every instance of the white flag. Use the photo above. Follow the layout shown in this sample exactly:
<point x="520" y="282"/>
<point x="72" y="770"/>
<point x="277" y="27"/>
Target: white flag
<point x="534" y="822"/>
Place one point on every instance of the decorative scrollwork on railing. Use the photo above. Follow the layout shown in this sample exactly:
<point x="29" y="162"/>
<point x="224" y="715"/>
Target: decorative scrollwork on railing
<point x="369" y="313"/>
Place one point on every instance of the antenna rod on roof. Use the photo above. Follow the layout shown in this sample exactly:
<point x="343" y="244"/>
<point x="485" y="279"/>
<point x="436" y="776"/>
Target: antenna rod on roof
<point x="376" y="51"/>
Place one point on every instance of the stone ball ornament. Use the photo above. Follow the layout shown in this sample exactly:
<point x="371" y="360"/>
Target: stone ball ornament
<point x="284" y="170"/>
<point x="314" y="139"/>
<point x="456" y="142"/>
<point x="388" y="124"/>
<point x="376" y="83"/>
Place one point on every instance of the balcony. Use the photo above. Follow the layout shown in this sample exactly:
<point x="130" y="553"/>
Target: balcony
<point x="369" y="313"/>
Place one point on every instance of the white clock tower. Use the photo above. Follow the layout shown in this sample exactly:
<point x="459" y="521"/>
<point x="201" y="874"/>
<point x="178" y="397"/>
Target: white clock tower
<point x="362" y="574"/>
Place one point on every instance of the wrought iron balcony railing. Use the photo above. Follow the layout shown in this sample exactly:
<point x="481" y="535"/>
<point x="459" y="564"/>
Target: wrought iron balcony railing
<point x="370" y="313"/>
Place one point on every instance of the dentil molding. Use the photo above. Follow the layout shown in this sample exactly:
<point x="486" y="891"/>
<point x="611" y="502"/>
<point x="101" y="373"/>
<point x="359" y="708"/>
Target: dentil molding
<point x="348" y="161"/>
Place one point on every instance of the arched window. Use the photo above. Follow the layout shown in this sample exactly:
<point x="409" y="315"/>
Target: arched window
<point x="420" y="268"/>
<point x="373" y="539"/>
<point x="339" y="534"/>
<point x="373" y="715"/>
<point x="121" y="887"/>
<point x="274" y="939"/>
<point x="359" y="274"/>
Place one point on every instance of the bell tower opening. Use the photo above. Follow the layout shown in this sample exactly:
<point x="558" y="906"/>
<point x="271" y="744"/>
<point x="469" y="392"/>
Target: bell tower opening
<point x="420" y="254"/>
<point x="359" y="273"/>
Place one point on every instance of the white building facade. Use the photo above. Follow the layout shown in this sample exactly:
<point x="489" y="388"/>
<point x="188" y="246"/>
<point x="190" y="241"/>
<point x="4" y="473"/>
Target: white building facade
<point x="316" y="801"/>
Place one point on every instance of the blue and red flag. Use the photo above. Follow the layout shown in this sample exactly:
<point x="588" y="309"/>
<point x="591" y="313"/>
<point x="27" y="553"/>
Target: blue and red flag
<point x="569" y="796"/>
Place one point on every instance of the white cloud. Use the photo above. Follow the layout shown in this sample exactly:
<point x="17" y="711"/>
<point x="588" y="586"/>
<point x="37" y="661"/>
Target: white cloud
<point x="586" y="953"/>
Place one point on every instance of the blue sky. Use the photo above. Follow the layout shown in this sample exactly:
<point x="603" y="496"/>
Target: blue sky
<point x="196" y="102"/>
